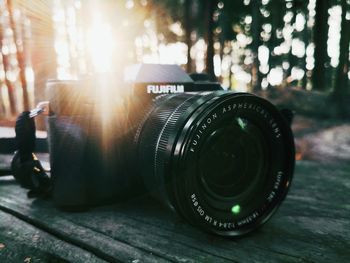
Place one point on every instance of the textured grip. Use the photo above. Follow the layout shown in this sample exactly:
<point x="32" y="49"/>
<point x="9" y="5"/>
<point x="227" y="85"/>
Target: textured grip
<point x="154" y="144"/>
<point x="67" y="141"/>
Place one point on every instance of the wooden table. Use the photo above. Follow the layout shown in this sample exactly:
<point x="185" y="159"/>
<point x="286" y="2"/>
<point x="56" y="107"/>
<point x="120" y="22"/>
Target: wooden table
<point x="312" y="225"/>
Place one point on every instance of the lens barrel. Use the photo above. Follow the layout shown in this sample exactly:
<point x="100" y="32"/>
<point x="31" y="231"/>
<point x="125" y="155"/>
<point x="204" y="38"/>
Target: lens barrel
<point x="224" y="161"/>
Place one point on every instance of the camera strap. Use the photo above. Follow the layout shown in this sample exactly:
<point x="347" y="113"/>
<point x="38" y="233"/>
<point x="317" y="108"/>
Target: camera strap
<point x="26" y="168"/>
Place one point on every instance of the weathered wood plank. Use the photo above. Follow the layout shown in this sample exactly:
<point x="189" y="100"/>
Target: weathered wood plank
<point x="110" y="230"/>
<point x="180" y="233"/>
<point x="289" y="233"/>
<point x="36" y="213"/>
<point x="21" y="242"/>
<point x="312" y="220"/>
<point x="311" y="226"/>
<point x="5" y="164"/>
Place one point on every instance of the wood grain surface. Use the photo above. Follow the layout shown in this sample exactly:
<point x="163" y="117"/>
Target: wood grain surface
<point x="312" y="225"/>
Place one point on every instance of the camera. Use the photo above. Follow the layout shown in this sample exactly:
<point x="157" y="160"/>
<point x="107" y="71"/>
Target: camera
<point x="222" y="160"/>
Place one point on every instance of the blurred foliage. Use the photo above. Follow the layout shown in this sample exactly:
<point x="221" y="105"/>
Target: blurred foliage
<point x="247" y="45"/>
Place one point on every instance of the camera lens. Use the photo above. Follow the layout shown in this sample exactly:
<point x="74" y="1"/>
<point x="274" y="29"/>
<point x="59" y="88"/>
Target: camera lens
<point x="224" y="161"/>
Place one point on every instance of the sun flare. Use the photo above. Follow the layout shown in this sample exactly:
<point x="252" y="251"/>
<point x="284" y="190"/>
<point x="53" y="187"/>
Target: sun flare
<point x="101" y="44"/>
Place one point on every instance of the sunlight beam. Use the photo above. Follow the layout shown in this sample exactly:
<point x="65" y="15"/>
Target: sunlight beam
<point x="101" y="45"/>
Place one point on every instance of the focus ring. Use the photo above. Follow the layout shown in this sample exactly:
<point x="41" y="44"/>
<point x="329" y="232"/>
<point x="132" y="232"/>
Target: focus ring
<point x="167" y="130"/>
<point x="154" y="137"/>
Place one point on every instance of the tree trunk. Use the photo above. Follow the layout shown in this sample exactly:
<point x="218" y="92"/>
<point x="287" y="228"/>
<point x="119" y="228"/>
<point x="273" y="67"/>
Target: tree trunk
<point x="43" y="53"/>
<point x="222" y="54"/>
<point x="341" y="89"/>
<point x="188" y="29"/>
<point x="210" y="9"/>
<point x="74" y="71"/>
<point x="20" y="57"/>
<point x="256" y="29"/>
<point x="2" y="106"/>
<point x="7" y="68"/>
<point x="230" y="70"/>
<point x="320" y="40"/>
<point x="306" y="38"/>
<point x="292" y="60"/>
<point x="275" y="9"/>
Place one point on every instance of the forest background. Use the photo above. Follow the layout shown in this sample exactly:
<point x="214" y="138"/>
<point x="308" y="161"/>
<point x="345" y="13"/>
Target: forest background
<point x="293" y="50"/>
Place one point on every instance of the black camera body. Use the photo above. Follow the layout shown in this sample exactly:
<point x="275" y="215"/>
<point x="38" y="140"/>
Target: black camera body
<point x="92" y="125"/>
<point x="222" y="160"/>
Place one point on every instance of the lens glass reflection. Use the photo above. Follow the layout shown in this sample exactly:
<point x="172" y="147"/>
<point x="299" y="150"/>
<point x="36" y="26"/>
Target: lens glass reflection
<point x="232" y="164"/>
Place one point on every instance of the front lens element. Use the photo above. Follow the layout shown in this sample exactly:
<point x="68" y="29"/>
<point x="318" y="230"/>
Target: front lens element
<point x="232" y="158"/>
